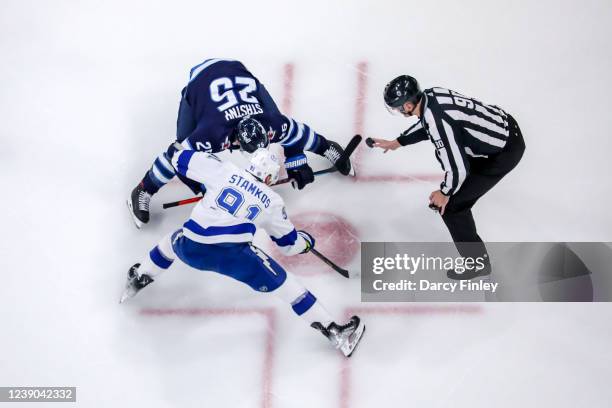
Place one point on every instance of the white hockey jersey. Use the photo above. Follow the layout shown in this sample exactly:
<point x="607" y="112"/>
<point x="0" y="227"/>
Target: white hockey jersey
<point x="234" y="205"/>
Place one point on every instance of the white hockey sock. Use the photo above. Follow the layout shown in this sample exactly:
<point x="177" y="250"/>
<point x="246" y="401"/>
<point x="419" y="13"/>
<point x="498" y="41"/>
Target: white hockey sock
<point x="317" y="313"/>
<point x="160" y="258"/>
<point x="303" y="303"/>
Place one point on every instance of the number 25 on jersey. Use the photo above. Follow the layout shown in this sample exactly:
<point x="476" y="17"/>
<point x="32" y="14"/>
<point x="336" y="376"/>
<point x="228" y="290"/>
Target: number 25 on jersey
<point x="227" y="92"/>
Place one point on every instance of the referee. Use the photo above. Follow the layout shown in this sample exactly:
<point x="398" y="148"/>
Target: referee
<point x="476" y="144"/>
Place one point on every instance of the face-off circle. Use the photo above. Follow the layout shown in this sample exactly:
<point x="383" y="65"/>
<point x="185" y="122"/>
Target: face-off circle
<point x="335" y="237"/>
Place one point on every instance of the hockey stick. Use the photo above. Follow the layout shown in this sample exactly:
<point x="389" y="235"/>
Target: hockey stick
<point x="332" y="265"/>
<point x="281" y="181"/>
<point x="348" y="151"/>
<point x="350" y="148"/>
<point x="182" y="202"/>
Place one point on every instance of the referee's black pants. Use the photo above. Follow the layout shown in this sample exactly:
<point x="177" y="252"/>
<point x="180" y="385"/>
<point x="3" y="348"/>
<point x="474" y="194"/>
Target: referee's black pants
<point x="484" y="174"/>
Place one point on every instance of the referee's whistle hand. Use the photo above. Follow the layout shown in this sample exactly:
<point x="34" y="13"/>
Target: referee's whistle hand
<point x="386" y="145"/>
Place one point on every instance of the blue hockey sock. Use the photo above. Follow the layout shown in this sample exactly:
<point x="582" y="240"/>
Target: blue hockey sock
<point x="303" y="303"/>
<point x="320" y="146"/>
<point x="160" y="173"/>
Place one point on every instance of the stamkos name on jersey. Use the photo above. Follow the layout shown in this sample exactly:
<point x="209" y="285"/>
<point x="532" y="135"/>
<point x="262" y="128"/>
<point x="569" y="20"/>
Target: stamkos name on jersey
<point x="251" y="188"/>
<point x="243" y="110"/>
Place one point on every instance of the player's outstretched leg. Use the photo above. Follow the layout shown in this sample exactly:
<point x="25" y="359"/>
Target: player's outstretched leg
<point x="141" y="275"/>
<point x="344" y="337"/>
<point x="252" y="266"/>
<point x="160" y="173"/>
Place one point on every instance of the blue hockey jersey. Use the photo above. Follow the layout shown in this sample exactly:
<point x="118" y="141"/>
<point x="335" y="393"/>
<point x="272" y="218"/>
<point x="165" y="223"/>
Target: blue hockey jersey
<point x="220" y="93"/>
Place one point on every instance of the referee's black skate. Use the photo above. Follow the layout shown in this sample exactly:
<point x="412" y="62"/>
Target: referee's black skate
<point x="138" y="203"/>
<point x="470" y="273"/>
<point x="134" y="283"/>
<point x="345" y="337"/>
<point x="333" y="154"/>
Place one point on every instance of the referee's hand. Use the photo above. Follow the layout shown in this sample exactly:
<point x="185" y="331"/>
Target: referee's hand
<point x="439" y="200"/>
<point x="386" y="145"/>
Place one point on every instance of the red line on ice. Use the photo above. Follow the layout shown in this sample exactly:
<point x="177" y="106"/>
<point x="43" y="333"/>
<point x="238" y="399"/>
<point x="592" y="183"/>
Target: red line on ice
<point x="345" y="368"/>
<point x="268" y="313"/>
<point x="287" y="103"/>
<point x="399" y="178"/>
<point x="360" y="104"/>
<point x="359" y="127"/>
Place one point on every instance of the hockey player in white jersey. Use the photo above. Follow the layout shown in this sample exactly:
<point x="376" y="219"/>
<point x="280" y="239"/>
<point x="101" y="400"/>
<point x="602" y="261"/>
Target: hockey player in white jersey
<point x="218" y="237"/>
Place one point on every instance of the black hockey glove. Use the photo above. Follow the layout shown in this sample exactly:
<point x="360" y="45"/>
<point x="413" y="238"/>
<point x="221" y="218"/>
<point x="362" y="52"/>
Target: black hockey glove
<point x="310" y="241"/>
<point x="299" y="171"/>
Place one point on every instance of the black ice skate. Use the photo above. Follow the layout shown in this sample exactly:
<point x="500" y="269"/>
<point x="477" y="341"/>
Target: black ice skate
<point x="469" y="273"/>
<point x="346" y="337"/>
<point x="138" y="203"/>
<point x="134" y="283"/>
<point x="333" y="154"/>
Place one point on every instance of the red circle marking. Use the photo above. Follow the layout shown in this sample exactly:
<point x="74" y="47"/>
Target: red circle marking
<point x="335" y="237"/>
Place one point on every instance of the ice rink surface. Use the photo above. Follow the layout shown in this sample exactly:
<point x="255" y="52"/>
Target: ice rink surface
<point x="89" y="93"/>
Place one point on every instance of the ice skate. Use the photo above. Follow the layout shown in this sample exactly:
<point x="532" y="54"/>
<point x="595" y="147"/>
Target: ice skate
<point x="345" y="337"/>
<point x="470" y="273"/>
<point x="138" y="203"/>
<point x="134" y="283"/>
<point x="333" y="154"/>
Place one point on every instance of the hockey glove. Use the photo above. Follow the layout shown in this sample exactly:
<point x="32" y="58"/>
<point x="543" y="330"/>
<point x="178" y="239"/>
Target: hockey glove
<point x="299" y="171"/>
<point x="310" y="241"/>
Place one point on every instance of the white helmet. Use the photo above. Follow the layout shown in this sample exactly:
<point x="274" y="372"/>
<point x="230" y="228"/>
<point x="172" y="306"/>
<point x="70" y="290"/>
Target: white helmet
<point x="264" y="165"/>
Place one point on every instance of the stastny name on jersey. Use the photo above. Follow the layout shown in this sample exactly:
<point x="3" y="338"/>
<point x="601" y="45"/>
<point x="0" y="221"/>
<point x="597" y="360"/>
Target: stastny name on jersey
<point x="243" y="110"/>
<point x="251" y="188"/>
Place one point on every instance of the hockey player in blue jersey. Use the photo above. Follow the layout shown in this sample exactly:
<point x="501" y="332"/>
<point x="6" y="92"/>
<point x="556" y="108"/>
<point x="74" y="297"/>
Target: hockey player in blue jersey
<point x="222" y="105"/>
<point x="218" y="237"/>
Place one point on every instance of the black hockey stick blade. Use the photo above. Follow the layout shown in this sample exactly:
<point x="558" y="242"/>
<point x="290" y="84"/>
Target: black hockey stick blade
<point x="331" y="264"/>
<point x="349" y="149"/>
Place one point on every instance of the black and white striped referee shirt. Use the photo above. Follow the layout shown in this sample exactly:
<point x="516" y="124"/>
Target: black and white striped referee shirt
<point x="459" y="127"/>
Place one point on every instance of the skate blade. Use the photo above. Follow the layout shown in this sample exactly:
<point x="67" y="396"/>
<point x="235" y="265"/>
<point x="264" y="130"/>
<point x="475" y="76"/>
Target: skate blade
<point x="352" y="172"/>
<point x="127" y="294"/>
<point x="353" y="341"/>
<point x="137" y="222"/>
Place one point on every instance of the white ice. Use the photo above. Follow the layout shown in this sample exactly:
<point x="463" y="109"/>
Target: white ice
<point x="88" y="97"/>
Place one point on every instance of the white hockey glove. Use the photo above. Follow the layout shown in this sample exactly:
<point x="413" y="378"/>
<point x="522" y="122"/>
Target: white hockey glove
<point x="310" y="241"/>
